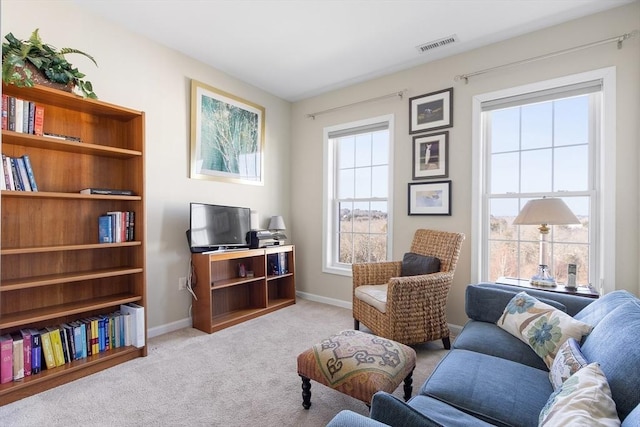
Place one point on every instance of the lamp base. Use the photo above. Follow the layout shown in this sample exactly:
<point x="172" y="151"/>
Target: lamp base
<point x="543" y="278"/>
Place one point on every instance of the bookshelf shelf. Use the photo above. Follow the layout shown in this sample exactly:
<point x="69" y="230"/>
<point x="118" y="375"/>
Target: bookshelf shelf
<point x="53" y="270"/>
<point x="224" y="299"/>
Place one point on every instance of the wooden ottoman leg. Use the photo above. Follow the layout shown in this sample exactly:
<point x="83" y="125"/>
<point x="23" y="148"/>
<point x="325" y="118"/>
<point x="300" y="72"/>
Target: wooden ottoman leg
<point x="446" y="343"/>
<point x="306" y="392"/>
<point x="356" y="324"/>
<point x="408" y="386"/>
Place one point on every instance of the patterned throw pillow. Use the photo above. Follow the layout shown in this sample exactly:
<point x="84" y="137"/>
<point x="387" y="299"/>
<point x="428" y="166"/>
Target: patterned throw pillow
<point x="583" y="400"/>
<point x="568" y="361"/>
<point x="540" y="325"/>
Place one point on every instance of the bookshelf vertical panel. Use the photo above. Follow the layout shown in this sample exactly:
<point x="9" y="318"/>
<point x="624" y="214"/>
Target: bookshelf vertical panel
<point x="53" y="269"/>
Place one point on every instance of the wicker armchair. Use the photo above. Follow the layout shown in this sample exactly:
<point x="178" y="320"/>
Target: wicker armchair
<point x="414" y="310"/>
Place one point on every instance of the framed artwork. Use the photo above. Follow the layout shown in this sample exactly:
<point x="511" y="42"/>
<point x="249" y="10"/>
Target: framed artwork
<point x="430" y="198"/>
<point x="227" y="136"/>
<point x="431" y="156"/>
<point x="431" y="111"/>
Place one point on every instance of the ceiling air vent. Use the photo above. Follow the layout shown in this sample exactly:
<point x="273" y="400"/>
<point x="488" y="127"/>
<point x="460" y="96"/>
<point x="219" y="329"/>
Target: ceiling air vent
<point x="426" y="47"/>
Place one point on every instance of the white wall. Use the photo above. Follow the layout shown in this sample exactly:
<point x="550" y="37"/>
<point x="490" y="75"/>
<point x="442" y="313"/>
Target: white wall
<point x="307" y="134"/>
<point x="143" y="75"/>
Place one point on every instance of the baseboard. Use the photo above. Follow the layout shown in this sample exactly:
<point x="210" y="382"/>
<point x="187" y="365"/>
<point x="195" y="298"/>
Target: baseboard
<point x="169" y="327"/>
<point x="186" y="323"/>
<point x="324" y="300"/>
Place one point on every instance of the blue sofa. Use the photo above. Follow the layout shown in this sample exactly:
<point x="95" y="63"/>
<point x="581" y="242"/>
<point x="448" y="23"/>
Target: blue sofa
<point x="491" y="378"/>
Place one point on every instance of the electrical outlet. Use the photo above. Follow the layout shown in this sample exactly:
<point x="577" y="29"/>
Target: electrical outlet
<point x="182" y="283"/>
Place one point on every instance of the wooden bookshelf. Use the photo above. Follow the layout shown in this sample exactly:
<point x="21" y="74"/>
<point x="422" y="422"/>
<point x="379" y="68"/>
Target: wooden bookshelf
<point x="53" y="269"/>
<point x="224" y="299"/>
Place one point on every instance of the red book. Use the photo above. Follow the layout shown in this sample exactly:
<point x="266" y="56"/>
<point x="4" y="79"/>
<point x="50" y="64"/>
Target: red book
<point x="6" y="359"/>
<point x="38" y="123"/>
<point x="26" y="346"/>
<point x="5" y="112"/>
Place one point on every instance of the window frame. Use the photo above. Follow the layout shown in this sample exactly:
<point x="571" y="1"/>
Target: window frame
<point x="603" y="250"/>
<point x="330" y="222"/>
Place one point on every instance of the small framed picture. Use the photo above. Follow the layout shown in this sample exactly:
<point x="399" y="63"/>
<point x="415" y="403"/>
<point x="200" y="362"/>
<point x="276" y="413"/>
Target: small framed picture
<point x="431" y="111"/>
<point x="430" y="198"/>
<point x="431" y="156"/>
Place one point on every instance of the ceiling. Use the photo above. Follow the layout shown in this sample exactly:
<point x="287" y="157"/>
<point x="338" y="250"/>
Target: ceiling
<point x="296" y="49"/>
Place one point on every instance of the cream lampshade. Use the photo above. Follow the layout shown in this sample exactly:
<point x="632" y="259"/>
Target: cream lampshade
<point x="277" y="226"/>
<point x="544" y="212"/>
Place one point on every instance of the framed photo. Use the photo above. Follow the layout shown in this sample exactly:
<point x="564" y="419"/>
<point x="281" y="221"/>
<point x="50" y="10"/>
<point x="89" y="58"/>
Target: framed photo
<point x="430" y="198"/>
<point x="431" y="156"/>
<point x="431" y="111"/>
<point x="227" y="136"/>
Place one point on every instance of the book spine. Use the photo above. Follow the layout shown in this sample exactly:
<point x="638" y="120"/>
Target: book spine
<point x="5" y="112"/>
<point x="19" y="114"/>
<point x="56" y="343"/>
<point x="137" y="323"/>
<point x="106" y="192"/>
<point x="24" y="176"/>
<point x="36" y="352"/>
<point x="27" y="345"/>
<point x="38" y="124"/>
<point x="6" y="359"/>
<point x="12" y="113"/>
<point x="105" y="232"/>
<point x="18" y="357"/>
<point x="25" y="116"/>
<point x="32" y="117"/>
<point x="16" y="175"/>
<point x="65" y="346"/>
<point x="47" y="349"/>
<point x="8" y="173"/>
<point x="31" y="176"/>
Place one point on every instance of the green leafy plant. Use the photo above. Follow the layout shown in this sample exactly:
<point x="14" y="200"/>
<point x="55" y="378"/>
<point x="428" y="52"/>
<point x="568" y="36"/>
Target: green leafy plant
<point x="17" y="55"/>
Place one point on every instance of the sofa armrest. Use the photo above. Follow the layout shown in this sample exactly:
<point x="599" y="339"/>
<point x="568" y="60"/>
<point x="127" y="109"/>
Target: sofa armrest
<point x="390" y="410"/>
<point x="346" y="418"/>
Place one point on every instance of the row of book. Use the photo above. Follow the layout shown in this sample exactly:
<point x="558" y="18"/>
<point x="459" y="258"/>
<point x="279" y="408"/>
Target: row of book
<point x="116" y="227"/>
<point x="18" y="174"/>
<point x="22" y="116"/>
<point x="30" y="351"/>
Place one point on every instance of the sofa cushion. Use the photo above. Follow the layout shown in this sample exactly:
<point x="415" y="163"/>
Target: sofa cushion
<point x="415" y="264"/>
<point x="495" y="390"/>
<point x="583" y="399"/>
<point x="633" y="419"/>
<point x="614" y="344"/>
<point x="487" y="304"/>
<point x="488" y="338"/>
<point x="568" y="361"/>
<point x="542" y="326"/>
<point x="594" y="312"/>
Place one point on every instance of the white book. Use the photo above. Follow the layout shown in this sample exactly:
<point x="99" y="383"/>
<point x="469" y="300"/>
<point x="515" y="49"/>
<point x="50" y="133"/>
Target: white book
<point x="19" y="115"/>
<point x="136" y="312"/>
<point x="7" y="165"/>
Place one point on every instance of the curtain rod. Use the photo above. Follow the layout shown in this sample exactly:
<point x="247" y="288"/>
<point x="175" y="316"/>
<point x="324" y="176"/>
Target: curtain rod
<point x="399" y="94"/>
<point x="618" y="39"/>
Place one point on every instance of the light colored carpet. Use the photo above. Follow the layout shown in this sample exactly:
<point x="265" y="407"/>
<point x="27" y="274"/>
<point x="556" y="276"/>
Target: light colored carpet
<point x="240" y="376"/>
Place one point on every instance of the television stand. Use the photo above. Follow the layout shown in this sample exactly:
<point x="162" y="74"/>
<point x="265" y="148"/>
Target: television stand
<point x="224" y="298"/>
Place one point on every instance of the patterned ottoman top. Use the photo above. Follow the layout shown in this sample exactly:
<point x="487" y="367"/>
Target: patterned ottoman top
<point x="351" y="353"/>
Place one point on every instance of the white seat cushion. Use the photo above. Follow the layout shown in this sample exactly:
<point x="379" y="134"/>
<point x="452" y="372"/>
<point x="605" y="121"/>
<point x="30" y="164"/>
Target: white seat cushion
<point x="374" y="295"/>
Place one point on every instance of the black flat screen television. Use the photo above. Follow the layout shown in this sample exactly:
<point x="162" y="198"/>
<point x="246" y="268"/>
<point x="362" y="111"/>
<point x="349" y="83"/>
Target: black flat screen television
<point x="215" y="227"/>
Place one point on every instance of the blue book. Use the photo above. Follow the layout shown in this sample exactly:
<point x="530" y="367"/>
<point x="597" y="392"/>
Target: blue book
<point x="105" y="229"/>
<point x="36" y="352"/>
<point x="32" y="178"/>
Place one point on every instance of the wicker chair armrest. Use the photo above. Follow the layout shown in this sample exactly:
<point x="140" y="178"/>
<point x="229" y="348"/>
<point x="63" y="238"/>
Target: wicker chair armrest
<point x="375" y="273"/>
<point x="429" y="289"/>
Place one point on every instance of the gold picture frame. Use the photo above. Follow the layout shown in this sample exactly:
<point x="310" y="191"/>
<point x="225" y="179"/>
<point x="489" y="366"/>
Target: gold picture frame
<point x="227" y="136"/>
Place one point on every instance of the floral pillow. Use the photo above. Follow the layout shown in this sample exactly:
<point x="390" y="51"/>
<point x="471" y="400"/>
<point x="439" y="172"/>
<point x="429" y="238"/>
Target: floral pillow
<point x="540" y="325"/>
<point x="568" y="361"/>
<point x="583" y="400"/>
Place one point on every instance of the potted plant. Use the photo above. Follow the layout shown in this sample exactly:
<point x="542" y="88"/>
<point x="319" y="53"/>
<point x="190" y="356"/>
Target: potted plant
<point x="23" y="61"/>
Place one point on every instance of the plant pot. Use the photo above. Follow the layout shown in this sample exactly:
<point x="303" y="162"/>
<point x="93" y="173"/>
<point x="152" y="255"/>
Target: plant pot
<point x="40" y="79"/>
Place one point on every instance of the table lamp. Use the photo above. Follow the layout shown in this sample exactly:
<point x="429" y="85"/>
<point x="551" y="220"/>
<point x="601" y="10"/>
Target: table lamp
<point x="276" y="225"/>
<point x="544" y="212"/>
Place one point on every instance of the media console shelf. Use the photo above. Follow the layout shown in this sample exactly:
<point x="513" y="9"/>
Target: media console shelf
<point x="235" y="286"/>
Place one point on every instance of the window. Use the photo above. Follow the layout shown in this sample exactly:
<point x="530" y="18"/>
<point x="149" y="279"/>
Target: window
<point x="357" y="183"/>
<point x="543" y="141"/>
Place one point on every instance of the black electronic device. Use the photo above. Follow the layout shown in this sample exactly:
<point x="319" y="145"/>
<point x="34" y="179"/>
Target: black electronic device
<point x="261" y="239"/>
<point x="216" y="227"/>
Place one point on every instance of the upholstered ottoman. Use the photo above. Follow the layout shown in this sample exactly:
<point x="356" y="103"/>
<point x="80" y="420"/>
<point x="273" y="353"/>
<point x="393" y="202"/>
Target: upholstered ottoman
<point x="357" y="364"/>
